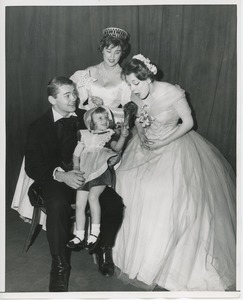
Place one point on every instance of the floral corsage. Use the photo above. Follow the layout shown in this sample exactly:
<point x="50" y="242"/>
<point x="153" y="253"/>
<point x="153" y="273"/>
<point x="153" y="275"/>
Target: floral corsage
<point x="145" y="118"/>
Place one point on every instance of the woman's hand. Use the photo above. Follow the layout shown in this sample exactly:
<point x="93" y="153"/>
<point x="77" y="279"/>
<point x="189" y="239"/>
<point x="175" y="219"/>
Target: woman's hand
<point x="158" y="144"/>
<point x="97" y="101"/>
<point x="145" y="142"/>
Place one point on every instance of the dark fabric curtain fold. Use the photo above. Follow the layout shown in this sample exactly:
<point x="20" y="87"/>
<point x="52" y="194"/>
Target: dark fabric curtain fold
<point x="193" y="45"/>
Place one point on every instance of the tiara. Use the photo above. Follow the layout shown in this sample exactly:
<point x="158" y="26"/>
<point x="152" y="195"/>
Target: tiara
<point x="116" y="32"/>
<point x="152" y="68"/>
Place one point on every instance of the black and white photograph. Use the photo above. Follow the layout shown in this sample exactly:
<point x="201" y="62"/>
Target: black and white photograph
<point x="121" y="161"/>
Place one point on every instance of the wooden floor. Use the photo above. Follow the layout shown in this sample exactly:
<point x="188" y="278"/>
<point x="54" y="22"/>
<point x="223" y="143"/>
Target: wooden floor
<point x="29" y="272"/>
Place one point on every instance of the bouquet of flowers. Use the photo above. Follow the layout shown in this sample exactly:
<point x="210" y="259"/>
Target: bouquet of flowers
<point x="145" y="118"/>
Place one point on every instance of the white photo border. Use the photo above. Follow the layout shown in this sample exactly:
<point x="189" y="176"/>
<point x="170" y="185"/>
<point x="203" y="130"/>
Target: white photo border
<point x="121" y="295"/>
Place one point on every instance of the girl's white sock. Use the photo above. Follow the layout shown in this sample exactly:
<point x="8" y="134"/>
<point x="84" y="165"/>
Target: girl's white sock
<point x="80" y="235"/>
<point x="95" y="231"/>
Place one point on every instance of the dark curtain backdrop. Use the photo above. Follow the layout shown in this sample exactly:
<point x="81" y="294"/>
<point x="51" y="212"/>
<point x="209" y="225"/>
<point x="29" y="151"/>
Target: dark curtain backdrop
<point x="193" y="45"/>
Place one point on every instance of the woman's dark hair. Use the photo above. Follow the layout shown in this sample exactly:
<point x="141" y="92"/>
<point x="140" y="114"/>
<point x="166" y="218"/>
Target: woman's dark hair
<point x="108" y="40"/>
<point x="138" y="68"/>
<point x="55" y="83"/>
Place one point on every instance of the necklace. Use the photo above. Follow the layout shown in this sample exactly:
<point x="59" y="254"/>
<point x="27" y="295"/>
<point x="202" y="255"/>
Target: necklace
<point x="111" y="74"/>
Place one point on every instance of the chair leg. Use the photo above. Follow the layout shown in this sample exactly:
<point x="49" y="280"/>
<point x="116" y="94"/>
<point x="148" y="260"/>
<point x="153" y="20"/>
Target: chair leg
<point x="87" y="230"/>
<point x="87" y="223"/>
<point x="94" y="259"/>
<point x="33" y="227"/>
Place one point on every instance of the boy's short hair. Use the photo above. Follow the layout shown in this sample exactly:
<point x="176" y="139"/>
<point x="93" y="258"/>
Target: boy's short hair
<point x="55" y="83"/>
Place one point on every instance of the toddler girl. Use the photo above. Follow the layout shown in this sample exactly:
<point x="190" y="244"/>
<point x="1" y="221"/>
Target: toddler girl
<point x="96" y="146"/>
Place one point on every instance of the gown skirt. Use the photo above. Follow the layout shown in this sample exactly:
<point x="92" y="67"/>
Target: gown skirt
<point x="178" y="230"/>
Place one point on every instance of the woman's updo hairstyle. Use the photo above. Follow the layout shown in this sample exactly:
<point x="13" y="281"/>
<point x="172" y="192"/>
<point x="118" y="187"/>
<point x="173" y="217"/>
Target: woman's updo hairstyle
<point x="139" y="69"/>
<point x="114" y="37"/>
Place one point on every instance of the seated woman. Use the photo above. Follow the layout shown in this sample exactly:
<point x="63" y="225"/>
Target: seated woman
<point x="178" y="190"/>
<point x="102" y="84"/>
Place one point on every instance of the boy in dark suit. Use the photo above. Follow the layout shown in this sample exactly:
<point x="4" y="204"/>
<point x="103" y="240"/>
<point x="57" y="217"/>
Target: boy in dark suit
<point x="48" y="160"/>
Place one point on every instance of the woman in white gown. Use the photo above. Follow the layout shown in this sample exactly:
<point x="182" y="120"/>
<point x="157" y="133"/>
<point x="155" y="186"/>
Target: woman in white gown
<point x="178" y="190"/>
<point x="102" y="84"/>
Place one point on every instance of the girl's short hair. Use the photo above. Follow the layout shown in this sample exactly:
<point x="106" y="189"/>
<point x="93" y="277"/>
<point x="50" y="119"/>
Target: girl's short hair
<point x="138" y="68"/>
<point x="55" y="83"/>
<point x="98" y="110"/>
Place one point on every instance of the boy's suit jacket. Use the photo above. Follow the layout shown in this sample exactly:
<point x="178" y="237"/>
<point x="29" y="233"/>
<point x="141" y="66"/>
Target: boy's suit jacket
<point x="43" y="149"/>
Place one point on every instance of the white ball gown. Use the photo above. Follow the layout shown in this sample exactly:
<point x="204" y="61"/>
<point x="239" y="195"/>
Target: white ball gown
<point x="179" y="221"/>
<point x="107" y="85"/>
